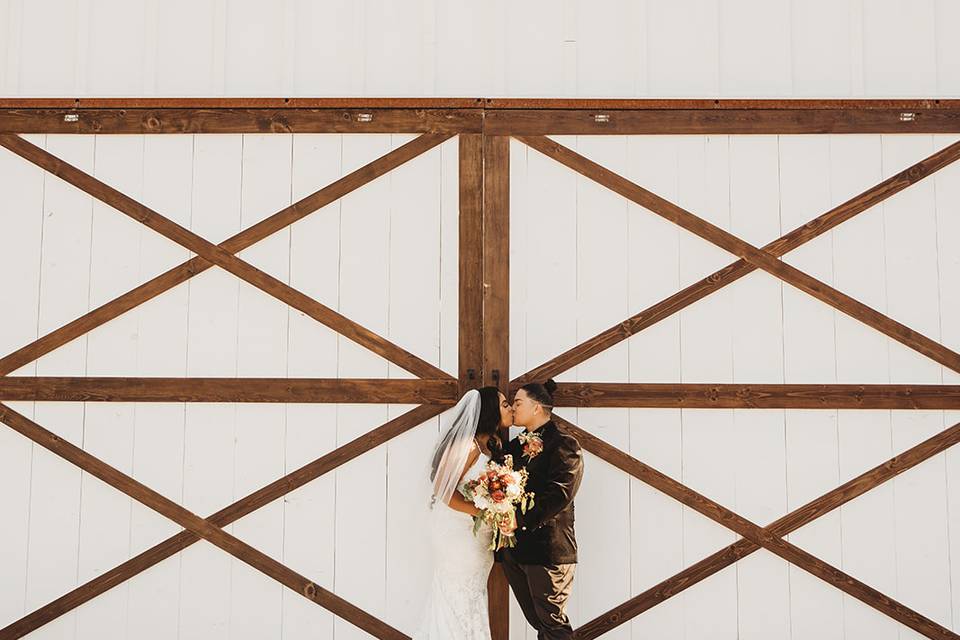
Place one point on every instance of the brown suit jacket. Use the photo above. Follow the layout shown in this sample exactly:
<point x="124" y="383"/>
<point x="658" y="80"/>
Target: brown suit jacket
<point x="545" y="533"/>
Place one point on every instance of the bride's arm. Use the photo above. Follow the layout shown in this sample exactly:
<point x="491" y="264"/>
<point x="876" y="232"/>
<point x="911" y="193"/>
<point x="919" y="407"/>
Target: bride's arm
<point x="457" y="501"/>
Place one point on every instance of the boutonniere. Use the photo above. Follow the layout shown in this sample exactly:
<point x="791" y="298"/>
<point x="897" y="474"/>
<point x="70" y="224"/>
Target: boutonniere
<point x="532" y="444"/>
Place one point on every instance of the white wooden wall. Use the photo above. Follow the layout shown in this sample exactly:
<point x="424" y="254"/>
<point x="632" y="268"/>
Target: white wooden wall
<point x="582" y="259"/>
<point x="593" y="48"/>
<point x="386" y="256"/>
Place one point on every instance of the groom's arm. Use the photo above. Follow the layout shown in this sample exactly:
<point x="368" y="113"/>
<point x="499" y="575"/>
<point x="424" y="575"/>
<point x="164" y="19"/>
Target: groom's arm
<point x="563" y="479"/>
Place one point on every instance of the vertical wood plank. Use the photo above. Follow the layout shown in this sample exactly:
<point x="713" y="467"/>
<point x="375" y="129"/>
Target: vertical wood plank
<point x="706" y="334"/>
<point x="899" y="55"/>
<point x="471" y="290"/>
<point x="210" y="430"/>
<point x="308" y="533"/>
<point x="910" y="224"/>
<point x="691" y="27"/>
<point x="810" y="357"/>
<point x="759" y="460"/>
<point x="602" y="234"/>
<point x="116" y="60"/>
<point x="262" y="340"/>
<point x="253" y="58"/>
<point x="158" y="451"/>
<point x="414" y="324"/>
<point x="820" y="50"/>
<point x="364" y="289"/>
<point x="656" y="521"/>
<point x="496" y="318"/>
<point x="947" y="200"/>
<point x="742" y="71"/>
<point x="21" y="225"/>
<point x="868" y="545"/>
<point x="56" y="485"/>
<point x="105" y="513"/>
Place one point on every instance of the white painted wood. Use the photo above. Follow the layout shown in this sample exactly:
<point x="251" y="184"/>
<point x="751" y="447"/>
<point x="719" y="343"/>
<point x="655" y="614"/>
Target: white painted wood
<point x="742" y="71"/>
<point x="656" y="521"/>
<point x="262" y="339"/>
<point x="158" y="442"/>
<point x="812" y="466"/>
<point x="682" y="48"/>
<point x="360" y="515"/>
<point x="21" y="223"/>
<point x="706" y="334"/>
<point x="947" y="197"/>
<point x="868" y="544"/>
<point x="414" y="324"/>
<point x="821" y="51"/>
<point x="185" y="53"/>
<point x="760" y="459"/>
<point x="255" y="43"/>
<point x="602" y="300"/>
<point x="899" y="50"/>
<point x="56" y="485"/>
<point x="308" y="533"/>
<point x="210" y="429"/>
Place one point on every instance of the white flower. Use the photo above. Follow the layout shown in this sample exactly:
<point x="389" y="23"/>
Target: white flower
<point x="513" y="490"/>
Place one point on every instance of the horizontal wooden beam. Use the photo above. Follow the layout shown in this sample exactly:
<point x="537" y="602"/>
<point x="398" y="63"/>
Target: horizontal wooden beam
<point x="246" y="505"/>
<point x="239" y="120"/>
<point x="527" y="122"/>
<point x="305" y="390"/>
<point x="780" y="527"/>
<point x="200" y="527"/>
<point x="757" y="396"/>
<point x="494" y="116"/>
<point x="475" y="102"/>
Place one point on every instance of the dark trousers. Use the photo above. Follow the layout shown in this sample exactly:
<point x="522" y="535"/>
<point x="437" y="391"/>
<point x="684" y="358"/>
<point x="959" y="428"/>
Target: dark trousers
<point x="542" y="592"/>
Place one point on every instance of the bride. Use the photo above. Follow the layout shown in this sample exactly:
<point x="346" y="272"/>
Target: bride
<point x="456" y="605"/>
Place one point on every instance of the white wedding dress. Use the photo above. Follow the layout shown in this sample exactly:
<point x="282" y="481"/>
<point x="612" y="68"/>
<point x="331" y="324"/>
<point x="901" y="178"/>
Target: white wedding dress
<point x="456" y="606"/>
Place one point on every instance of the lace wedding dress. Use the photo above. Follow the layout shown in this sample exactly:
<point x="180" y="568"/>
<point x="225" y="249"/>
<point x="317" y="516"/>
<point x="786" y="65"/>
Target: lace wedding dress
<point x="456" y="606"/>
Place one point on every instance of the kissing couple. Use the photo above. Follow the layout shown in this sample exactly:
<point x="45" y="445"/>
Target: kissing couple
<point x="519" y="494"/>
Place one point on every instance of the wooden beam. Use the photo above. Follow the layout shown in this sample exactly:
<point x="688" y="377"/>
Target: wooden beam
<point x="300" y="390"/>
<point x="757" y="396"/>
<point x="496" y="322"/>
<point x="600" y="121"/>
<point x="720" y="104"/>
<point x="198" y="526"/>
<point x="236" y="243"/>
<point x="756" y="534"/>
<point x="260" y="498"/>
<point x="757" y="257"/>
<point x="736" y="270"/>
<point x="781" y="527"/>
<point x="470" y="260"/>
<point x="222" y="258"/>
<point x="238" y="120"/>
<point x="478" y="102"/>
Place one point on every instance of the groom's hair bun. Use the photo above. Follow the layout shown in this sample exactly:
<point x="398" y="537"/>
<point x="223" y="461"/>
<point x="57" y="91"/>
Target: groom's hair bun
<point x="542" y="393"/>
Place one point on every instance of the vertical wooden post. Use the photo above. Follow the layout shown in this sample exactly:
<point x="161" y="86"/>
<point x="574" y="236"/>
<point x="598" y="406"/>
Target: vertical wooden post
<point x="474" y="367"/>
<point x="471" y="262"/>
<point x="496" y="319"/>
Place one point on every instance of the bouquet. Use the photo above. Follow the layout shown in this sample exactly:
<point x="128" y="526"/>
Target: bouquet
<point x="497" y="491"/>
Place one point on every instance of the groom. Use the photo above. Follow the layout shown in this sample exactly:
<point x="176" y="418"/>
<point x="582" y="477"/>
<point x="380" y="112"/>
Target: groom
<point x="540" y="567"/>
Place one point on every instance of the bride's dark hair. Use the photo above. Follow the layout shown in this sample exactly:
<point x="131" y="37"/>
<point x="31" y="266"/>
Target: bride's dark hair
<point x="489" y="422"/>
